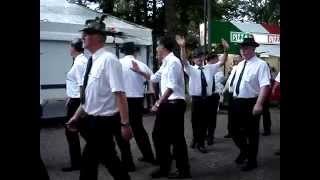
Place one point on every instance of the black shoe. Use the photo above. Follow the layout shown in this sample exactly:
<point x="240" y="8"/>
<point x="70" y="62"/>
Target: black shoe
<point x="202" y="149"/>
<point x="266" y="133"/>
<point x="277" y="153"/>
<point x="148" y="160"/>
<point x="249" y="167"/>
<point x="240" y="159"/>
<point x="210" y="141"/>
<point x="193" y="144"/>
<point x="180" y="175"/>
<point x="158" y="174"/>
<point x="227" y="136"/>
<point x="72" y="168"/>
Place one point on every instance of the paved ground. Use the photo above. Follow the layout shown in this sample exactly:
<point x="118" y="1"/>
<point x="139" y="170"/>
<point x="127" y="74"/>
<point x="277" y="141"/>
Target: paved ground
<point x="217" y="164"/>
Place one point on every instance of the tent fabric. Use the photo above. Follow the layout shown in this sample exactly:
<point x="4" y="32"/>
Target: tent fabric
<point x="271" y="28"/>
<point x="250" y="27"/>
<point x="221" y="29"/>
<point x="60" y="16"/>
<point x="271" y="50"/>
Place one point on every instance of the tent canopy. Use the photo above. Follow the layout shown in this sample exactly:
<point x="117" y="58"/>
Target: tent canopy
<point x="61" y="20"/>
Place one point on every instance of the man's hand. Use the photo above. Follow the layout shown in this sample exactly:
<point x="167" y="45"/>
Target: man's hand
<point x="135" y="67"/>
<point x="180" y="40"/>
<point x="154" y="108"/>
<point x="257" y="109"/>
<point x="225" y="44"/>
<point x="67" y="102"/>
<point x="126" y="132"/>
<point x="72" y="124"/>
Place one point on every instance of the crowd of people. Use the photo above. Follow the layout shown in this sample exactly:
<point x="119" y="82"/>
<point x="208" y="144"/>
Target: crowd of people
<point x="106" y="101"/>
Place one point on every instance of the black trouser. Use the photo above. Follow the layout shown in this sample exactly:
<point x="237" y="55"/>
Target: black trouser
<point x="199" y="118"/>
<point x="171" y="129"/>
<point x="43" y="171"/>
<point x="214" y="100"/>
<point x="156" y="137"/>
<point x="100" y="148"/>
<point x="245" y="127"/>
<point x="73" y="138"/>
<point x="266" y="117"/>
<point x="230" y="101"/>
<point x="136" y="121"/>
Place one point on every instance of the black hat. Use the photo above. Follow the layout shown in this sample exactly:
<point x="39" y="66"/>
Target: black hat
<point x="93" y="26"/>
<point x="249" y="41"/>
<point x="128" y="48"/>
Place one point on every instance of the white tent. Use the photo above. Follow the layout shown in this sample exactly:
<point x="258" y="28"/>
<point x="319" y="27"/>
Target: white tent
<point x="60" y="22"/>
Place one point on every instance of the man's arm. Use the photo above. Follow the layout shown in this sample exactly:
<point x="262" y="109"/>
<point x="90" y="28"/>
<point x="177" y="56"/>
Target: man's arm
<point x="122" y="105"/>
<point x="162" y="99"/>
<point x="72" y="123"/>
<point x="156" y="77"/>
<point x="263" y="94"/>
<point x="183" y="52"/>
<point x="224" y="58"/>
<point x="137" y="69"/>
<point x="276" y="85"/>
<point x="264" y="82"/>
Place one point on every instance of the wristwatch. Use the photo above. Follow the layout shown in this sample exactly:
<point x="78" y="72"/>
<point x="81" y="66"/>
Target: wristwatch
<point x="125" y="124"/>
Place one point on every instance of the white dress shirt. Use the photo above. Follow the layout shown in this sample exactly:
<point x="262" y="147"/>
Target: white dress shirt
<point x="133" y="82"/>
<point x="278" y="77"/>
<point x="170" y="75"/>
<point x="219" y="78"/>
<point x="75" y="76"/>
<point x="194" y="74"/>
<point x="105" y="78"/>
<point x="255" y="76"/>
<point x="233" y="71"/>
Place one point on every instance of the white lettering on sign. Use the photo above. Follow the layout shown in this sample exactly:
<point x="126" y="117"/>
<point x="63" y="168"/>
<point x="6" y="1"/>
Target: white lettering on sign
<point x="274" y="39"/>
<point x="238" y="36"/>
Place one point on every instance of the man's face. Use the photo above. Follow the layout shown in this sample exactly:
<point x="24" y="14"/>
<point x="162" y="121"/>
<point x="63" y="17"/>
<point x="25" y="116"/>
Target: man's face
<point x="237" y="59"/>
<point x="160" y="52"/>
<point x="90" y="40"/>
<point x="247" y="51"/>
<point x="198" y="60"/>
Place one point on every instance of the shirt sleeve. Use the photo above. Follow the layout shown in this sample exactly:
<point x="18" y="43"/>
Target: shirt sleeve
<point x="214" y="67"/>
<point x="219" y="77"/>
<point x="174" y="71"/>
<point x="80" y="70"/>
<point x="264" y="75"/>
<point x="156" y="77"/>
<point x="146" y="69"/>
<point x="114" y="68"/>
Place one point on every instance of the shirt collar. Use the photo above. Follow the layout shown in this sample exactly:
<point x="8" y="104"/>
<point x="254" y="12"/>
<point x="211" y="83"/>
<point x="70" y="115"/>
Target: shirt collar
<point x="79" y="55"/>
<point x="129" y="57"/>
<point x="168" y="56"/>
<point x="97" y="53"/>
<point x="254" y="58"/>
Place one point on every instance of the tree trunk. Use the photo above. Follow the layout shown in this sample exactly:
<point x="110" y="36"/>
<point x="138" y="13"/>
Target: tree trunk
<point x="170" y="16"/>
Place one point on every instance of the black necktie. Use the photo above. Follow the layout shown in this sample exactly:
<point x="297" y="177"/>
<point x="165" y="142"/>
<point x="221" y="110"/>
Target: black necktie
<point x="234" y="75"/>
<point x="85" y="81"/>
<point x="213" y="84"/>
<point x="240" y="77"/>
<point x="203" y="83"/>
